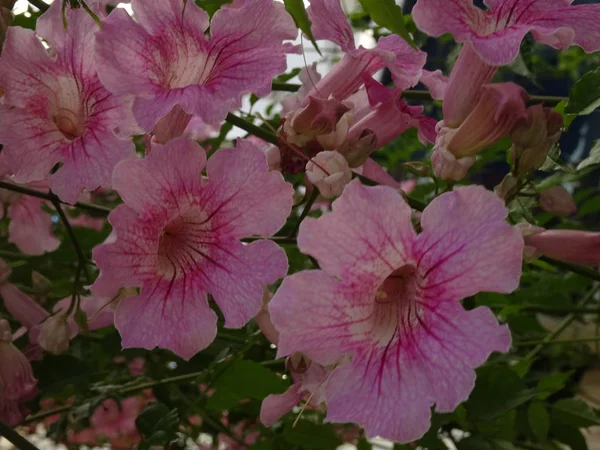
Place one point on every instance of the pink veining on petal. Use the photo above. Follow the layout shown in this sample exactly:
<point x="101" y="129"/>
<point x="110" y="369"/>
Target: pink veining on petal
<point x="177" y="238"/>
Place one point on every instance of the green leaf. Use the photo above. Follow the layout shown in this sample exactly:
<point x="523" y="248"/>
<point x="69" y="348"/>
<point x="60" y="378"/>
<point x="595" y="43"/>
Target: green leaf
<point x="584" y="97"/>
<point x="363" y="444"/>
<point x="569" y="435"/>
<point x="244" y="379"/>
<point x="81" y="320"/>
<point x="157" y="417"/>
<point x="388" y="15"/>
<point x="567" y="118"/>
<point x="312" y="436"/>
<point x="480" y="443"/>
<point x="593" y="158"/>
<point x="211" y="6"/>
<point x="298" y="12"/>
<point x="574" y="412"/>
<point x="539" y="420"/>
<point x="554" y="162"/>
<point x="552" y="383"/>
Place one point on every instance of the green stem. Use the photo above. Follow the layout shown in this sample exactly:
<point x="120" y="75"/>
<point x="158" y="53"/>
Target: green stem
<point x="553" y="309"/>
<point x="563" y="325"/>
<point x="422" y="94"/>
<point x="579" y="270"/>
<point x="52" y="198"/>
<point x="278" y="239"/>
<point x="15" y="438"/>
<point x="90" y="12"/>
<point x="265" y="135"/>
<point x="305" y="211"/>
<point x="39" y="4"/>
<point x="566" y="341"/>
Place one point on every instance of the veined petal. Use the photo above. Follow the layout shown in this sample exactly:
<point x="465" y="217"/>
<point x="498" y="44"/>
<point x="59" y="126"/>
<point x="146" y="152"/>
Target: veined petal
<point x="329" y="22"/>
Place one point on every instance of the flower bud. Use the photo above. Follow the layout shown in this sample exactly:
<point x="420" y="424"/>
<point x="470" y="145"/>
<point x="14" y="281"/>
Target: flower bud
<point x="447" y="167"/>
<point x="529" y="252"/>
<point x="263" y="319"/>
<point x="297" y="363"/>
<point x="55" y="334"/>
<point x="40" y="284"/>
<point x="557" y="200"/>
<point x="507" y="187"/>
<point x="576" y="247"/>
<point x="329" y="172"/>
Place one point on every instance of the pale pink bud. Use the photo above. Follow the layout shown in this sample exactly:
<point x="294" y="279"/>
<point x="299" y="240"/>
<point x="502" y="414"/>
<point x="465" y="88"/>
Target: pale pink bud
<point x="462" y="93"/>
<point x="55" y="334"/>
<point x="447" y="167"/>
<point x="263" y="319"/>
<point x="273" y="155"/>
<point x="329" y="172"/>
<point x="40" y="284"/>
<point x="557" y="200"/>
<point x="500" y="107"/>
<point x="577" y="247"/>
<point x="335" y="139"/>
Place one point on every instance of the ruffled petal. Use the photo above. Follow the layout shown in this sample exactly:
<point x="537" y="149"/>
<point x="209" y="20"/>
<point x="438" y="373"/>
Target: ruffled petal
<point x="30" y="227"/>
<point x="466" y="246"/>
<point x="367" y="235"/>
<point x="437" y="17"/>
<point x="329" y="22"/>
<point x="276" y="406"/>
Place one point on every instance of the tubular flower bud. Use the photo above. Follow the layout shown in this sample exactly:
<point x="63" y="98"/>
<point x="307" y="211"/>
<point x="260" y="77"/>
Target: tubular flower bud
<point x="55" y="334"/>
<point x="329" y="172"/>
<point x="557" y="200"/>
<point x="572" y="246"/>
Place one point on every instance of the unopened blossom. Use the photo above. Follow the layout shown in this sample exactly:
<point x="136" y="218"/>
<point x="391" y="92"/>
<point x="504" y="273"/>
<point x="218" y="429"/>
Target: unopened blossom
<point x="492" y="38"/>
<point x="55" y="108"/>
<point x="55" y="334"/>
<point x="30" y="227"/>
<point x="499" y="109"/>
<point x="557" y="200"/>
<point x="573" y="246"/>
<point x="175" y="71"/>
<point x="329" y="172"/>
<point x="17" y="384"/>
<point x="178" y="238"/>
<point x="388" y="298"/>
<point x="534" y="137"/>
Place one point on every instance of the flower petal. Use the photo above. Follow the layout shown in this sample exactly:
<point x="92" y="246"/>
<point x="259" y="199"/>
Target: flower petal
<point x="30" y="227"/>
<point x="329" y="22"/>
<point x="466" y="246"/>
<point x="367" y="235"/>
<point x="276" y="406"/>
<point x="437" y="17"/>
<point x="167" y="315"/>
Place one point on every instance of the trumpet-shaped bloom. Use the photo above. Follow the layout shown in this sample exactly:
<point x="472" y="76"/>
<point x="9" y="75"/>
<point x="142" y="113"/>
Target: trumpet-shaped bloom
<point x="492" y="38"/>
<point x="178" y="238"/>
<point x="389" y="298"/>
<point x="55" y="108"/>
<point x="166" y="60"/>
<point x="17" y="384"/>
<point x="573" y="246"/>
<point x="329" y="22"/>
<point x="496" y="35"/>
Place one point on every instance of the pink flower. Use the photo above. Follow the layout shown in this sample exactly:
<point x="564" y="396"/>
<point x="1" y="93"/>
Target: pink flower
<point x="329" y="172"/>
<point x="116" y="421"/>
<point x="55" y="334"/>
<point x="178" y="238"/>
<point x="329" y="22"/>
<point x="557" y="200"/>
<point x="17" y="384"/>
<point x="493" y="38"/>
<point x="165" y="59"/>
<point x="389" y="299"/>
<point x="30" y="227"/>
<point x="577" y="247"/>
<point x="55" y="108"/>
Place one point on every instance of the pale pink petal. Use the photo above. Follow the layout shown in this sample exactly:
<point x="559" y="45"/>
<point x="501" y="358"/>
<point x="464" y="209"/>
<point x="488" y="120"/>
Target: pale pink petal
<point x="276" y="406"/>
<point x="375" y="242"/>
<point x="437" y="17"/>
<point x="373" y="171"/>
<point x="159" y="178"/>
<point x="21" y="306"/>
<point x="466" y="246"/>
<point x="317" y="315"/>
<point x="389" y="390"/>
<point x="329" y="22"/>
<point x="436" y="82"/>
<point x="158" y="16"/>
<point x="245" y="197"/>
<point x="168" y="315"/>
<point x="30" y="228"/>
<point x="238" y="275"/>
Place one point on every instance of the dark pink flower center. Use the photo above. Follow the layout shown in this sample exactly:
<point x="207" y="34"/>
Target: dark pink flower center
<point x="396" y="309"/>
<point x="190" y="65"/>
<point x="184" y="244"/>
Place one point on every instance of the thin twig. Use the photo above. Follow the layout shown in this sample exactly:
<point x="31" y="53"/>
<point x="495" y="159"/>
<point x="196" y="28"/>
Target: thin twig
<point x="423" y="94"/>
<point x="565" y="341"/>
<point x="579" y="270"/>
<point x="305" y="211"/>
<point x="563" y="325"/>
<point x="544" y="309"/>
<point x="51" y="197"/>
<point x="15" y="438"/>
<point x="265" y="135"/>
<point x="39" y="4"/>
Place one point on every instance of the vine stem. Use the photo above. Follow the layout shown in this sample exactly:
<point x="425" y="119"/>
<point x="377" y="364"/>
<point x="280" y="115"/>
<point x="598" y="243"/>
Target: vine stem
<point x="423" y="94"/>
<point x="563" y="325"/>
<point x="566" y="341"/>
<point x="39" y="4"/>
<point x="552" y="309"/>
<point x="265" y="135"/>
<point x="305" y="211"/>
<point x="15" y="438"/>
<point x="53" y="198"/>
